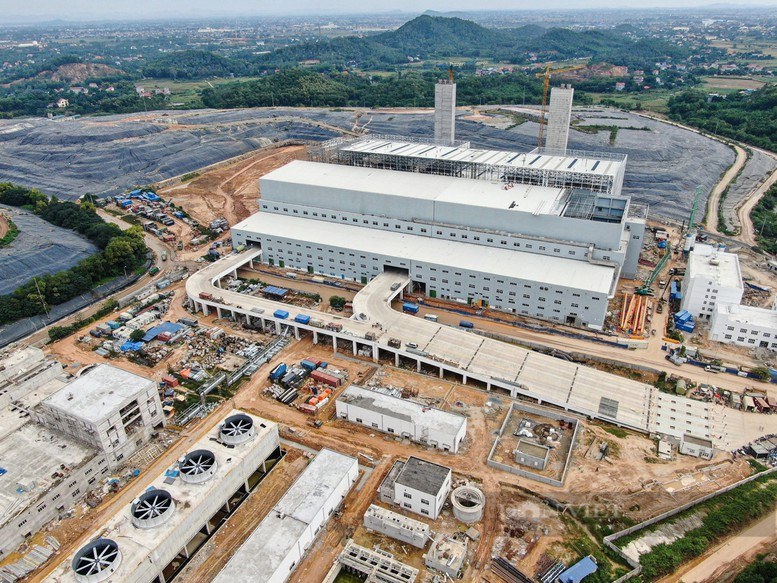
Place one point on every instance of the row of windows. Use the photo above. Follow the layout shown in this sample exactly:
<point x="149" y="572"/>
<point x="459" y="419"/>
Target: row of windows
<point x="752" y="332"/>
<point x="424" y="230"/>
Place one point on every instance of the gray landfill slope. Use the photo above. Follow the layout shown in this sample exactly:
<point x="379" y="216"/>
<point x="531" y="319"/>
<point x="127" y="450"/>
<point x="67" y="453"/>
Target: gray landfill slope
<point x="107" y="155"/>
<point x="39" y="249"/>
<point x="758" y="167"/>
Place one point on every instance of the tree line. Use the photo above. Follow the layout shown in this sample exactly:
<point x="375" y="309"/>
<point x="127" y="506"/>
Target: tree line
<point x="302" y="87"/>
<point x="120" y="252"/>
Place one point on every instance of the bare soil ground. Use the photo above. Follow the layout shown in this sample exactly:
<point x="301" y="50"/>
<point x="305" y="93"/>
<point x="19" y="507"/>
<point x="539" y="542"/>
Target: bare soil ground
<point x="231" y="190"/>
<point x="3" y="225"/>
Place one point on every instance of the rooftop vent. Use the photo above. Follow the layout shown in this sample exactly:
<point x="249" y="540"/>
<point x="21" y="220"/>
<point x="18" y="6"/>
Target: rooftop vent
<point x="198" y="466"/>
<point x="97" y="561"/>
<point x="152" y="508"/>
<point x="237" y="429"/>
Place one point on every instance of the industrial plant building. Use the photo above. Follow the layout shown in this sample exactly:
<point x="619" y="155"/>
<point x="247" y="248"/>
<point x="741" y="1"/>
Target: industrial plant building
<point x="274" y="549"/>
<point x="403" y="418"/>
<point x="417" y="485"/>
<point x="547" y="236"/>
<point x="111" y="409"/>
<point x="44" y="471"/>
<point x="746" y="326"/>
<point x="713" y="277"/>
<point x="152" y="538"/>
<point x="397" y="526"/>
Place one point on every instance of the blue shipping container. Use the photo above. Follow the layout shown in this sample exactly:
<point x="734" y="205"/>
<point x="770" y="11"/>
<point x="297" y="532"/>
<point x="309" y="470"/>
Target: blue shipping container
<point x="282" y="314"/>
<point x="302" y="319"/>
<point x="408" y="307"/>
<point x="308" y="365"/>
<point x="278" y="371"/>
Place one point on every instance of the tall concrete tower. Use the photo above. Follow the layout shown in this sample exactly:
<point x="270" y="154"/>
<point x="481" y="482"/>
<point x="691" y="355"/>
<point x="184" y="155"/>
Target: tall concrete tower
<point x="559" y="116"/>
<point x="445" y="110"/>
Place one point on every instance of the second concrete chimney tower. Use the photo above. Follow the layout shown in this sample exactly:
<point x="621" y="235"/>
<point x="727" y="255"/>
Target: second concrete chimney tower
<point x="445" y="110"/>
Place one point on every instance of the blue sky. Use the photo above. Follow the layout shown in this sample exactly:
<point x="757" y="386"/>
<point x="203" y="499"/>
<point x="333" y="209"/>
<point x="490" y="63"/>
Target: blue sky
<point x="90" y="9"/>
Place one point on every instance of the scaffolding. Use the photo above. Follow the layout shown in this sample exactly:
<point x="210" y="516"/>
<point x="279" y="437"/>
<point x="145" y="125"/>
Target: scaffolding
<point x="601" y="173"/>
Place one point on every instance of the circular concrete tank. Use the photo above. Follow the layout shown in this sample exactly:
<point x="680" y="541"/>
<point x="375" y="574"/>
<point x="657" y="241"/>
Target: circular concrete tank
<point x="468" y="503"/>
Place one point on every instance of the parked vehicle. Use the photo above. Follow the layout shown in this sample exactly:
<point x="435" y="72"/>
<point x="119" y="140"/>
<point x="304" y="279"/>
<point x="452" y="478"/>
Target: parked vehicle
<point x="466" y="324"/>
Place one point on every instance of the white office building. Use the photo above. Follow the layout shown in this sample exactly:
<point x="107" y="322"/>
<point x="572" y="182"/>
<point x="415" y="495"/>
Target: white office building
<point x="418" y="486"/>
<point x="403" y="418"/>
<point x="746" y="326"/>
<point x="712" y="277"/>
<point x="275" y="548"/>
<point x="554" y="253"/>
<point x="108" y="408"/>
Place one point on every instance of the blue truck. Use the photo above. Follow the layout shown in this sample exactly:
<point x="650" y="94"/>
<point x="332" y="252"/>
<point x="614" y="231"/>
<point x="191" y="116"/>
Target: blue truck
<point x="466" y="324"/>
<point x="302" y="319"/>
<point x="410" y="308"/>
<point x="278" y="372"/>
<point x="281" y="314"/>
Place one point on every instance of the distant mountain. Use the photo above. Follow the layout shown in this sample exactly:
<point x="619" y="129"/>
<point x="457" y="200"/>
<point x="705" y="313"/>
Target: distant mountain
<point x="429" y="36"/>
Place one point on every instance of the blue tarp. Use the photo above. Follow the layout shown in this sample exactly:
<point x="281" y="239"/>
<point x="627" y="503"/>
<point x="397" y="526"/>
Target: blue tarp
<point x="157" y="330"/>
<point x="579" y="571"/>
<point x="131" y="346"/>
<point x="151" y="197"/>
<point x="271" y="290"/>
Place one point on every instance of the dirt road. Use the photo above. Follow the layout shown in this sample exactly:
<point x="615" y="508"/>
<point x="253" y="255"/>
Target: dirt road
<point x="713" y="202"/>
<point x="748" y="234"/>
<point x="717" y="560"/>
<point x="3" y="225"/>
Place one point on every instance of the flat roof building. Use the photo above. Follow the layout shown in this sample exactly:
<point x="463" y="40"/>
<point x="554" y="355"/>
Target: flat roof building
<point x="152" y="538"/>
<point x="417" y="485"/>
<point x="271" y="552"/>
<point x="529" y="453"/>
<point x="713" y="277"/>
<point x="110" y="408"/>
<point x="402" y="417"/>
<point x="551" y="252"/>
<point x="745" y="326"/>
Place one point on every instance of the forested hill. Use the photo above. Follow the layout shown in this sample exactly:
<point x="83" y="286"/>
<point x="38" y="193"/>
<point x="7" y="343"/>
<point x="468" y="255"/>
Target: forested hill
<point x="428" y="35"/>
<point x="426" y="38"/>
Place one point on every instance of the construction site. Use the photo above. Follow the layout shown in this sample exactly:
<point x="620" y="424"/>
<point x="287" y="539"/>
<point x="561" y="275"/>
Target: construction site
<point x="261" y="432"/>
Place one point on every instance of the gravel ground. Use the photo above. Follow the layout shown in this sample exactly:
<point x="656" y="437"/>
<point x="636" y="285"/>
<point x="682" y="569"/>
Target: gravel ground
<point x="757" y="168"/>
<point x="40" y="248"/>
<point x="106" y="155"/>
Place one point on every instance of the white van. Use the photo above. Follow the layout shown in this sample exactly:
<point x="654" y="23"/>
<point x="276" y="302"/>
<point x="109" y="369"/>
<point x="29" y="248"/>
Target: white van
<point x="430" y="317"/>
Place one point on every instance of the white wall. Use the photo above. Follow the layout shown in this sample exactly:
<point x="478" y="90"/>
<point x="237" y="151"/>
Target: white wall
<point x="414" y="502"/>
<point x="724" y="328"/>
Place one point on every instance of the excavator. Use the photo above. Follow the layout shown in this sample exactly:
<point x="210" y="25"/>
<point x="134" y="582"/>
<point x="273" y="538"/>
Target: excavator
<point x="545" y="87"/>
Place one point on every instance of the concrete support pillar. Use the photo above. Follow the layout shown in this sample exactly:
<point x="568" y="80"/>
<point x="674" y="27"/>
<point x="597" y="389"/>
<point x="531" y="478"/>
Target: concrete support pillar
<point x="234" y="273"/>
<point x="226" y="507"/>
<point x="334" y="343"/>
<point x="185" y="551"/>
<point x="488" y="386"/>
<point x="442" y="372"/>
<point x="463" y="379"/>
<point x="206" y="309"/>
<point x="355" y="348"/>
<point x="218" y="311"/>
<point x="248" y="320"/>
<point x="277" y="327"/>
<point x="264" y="467"/>
<point x="235" y="315"/>
<point x="315" y="337"/>
<point x="418" y="366"/>
<point x="217" y="283"/>
<point x="296" y="332"/>
<point x="375" y="350"/>
<point x="207" y="528"/>
<point x="246" y="486"/>
<point x="161" y="578"/>
<point x="396" y="359"/>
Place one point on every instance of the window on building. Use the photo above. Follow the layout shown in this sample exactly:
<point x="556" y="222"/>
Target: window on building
<point x="424" y="511"/>
<point x="425" y="501"/>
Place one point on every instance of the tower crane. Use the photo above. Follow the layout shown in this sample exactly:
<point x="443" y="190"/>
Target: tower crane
<point x="545" y="87"/>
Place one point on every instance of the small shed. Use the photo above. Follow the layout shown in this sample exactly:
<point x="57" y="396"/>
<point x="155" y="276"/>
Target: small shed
<point x="579" y="571"/>
<point x="275" y="292"/>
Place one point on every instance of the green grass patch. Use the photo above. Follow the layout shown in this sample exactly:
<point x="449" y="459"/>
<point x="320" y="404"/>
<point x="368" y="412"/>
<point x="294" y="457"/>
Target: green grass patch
<point x="617" y="432"/>
<point x="189" y="176"/>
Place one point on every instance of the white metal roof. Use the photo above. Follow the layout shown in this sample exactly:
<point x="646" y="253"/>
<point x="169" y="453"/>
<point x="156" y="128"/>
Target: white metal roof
<point x="258" y="558"/>
<point x="98" y="393"/>
<point x="543" y="269"/>
<point x="532" y="160"/>
<point x="418" y="414"/>
<point x="481" y="193"/>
